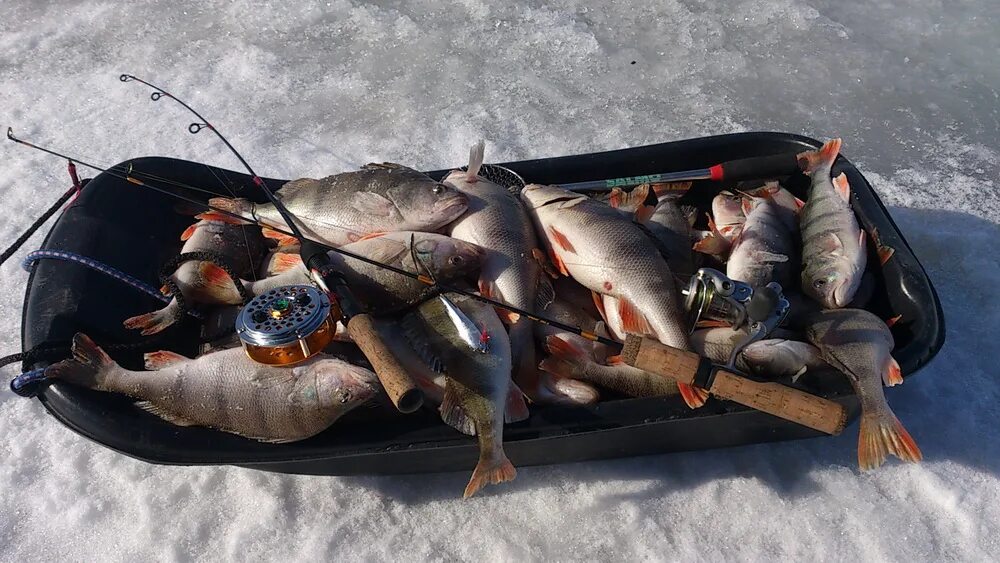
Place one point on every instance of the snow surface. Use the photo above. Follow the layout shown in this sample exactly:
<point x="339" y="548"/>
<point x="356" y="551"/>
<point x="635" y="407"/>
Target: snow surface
<point x="912" y="87"/>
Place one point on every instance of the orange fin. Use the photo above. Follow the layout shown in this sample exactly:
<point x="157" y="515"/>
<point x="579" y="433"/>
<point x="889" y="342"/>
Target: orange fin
<point x="215" y="285"/>
<point x="561" y="348"/>
<point x="189" y="232"/>
<point x="843" y="187"/>
<point x="516" y="409"/>
<point x="892" y="375"/>
<point x="561" y="240"/>
<point x="490" y="472"/>
<point x="883" y="435"/>
<point x="212" y="215"/>
<point x="558" y="263"/>
<point x="161" y="359"/>
<point x="164" y="289"/>
<point x="811" y="160"/>
<point x="616" y="197"/>
<point x="154" y="322"/>
<point x="891" y="321"/>
<point x="644" y="212"/>
<point x="693" y="396"/>
<point x="614" y="360"/>
<point x="282" y="238"/>
<point x="633" y="321"/>
<point x="558" y="366"/>
<point x="371" y="236"/>
<point x="283" y="261"/>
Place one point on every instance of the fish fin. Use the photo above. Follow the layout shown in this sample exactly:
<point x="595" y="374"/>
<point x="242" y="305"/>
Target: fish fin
<point x="232" y="205"/>
<point x="568" y="391"/>
<point x="633" y="321"/>
<point x="883" y="434"/>
<point x="671" y="189"/>
<point x="273" y="378"/>
<point x="615" y="360"/>
<point x="561" y="240"/>
<point x="281" y="238"/>
<point x="562" y="348"/>
<point x="189" y="232"/>
<point x="862" y="243"/>
<point x="891" y="321"/>
<point x="164" y="414"/>
<point x="693" y="396"/>
<point x="747" y="204"/>
<point x="831" y="244"/>
<point x="545" y="263"/>
<point x="690" y="214"/>
<point x="165" y="289"/>
<point x="644" y="212"/>
<point x="799" y="204"/>
<point x="452" y="412"/>
<point x="545" y="294"/>
<point x="616" y="197"/>
<point x="212" y="215"/>
<point x="156" y="321"/>
<point x="476" y="156"/>
<point x="87" y="366"/>
<point x="769" y="257"/>
<point x="712" y="244"/>
<point x="516" y="409"/>
<point x="892" y="375"/>
<point x="811" y="160"/>
<point x="491" y="470"/>
<point x="284" y="261"/>
<point x="560" y="367"/>
<point x="599" y="303"/>
<point x="382" y="166"/>
<point x="843" y="187"/>
<point x="372" y="204"/>
<point x="884" y="254"/>
<point x="216" y="285"/>
<point x="557" y="262"/>
<point x="371" y="236"/>
<point x="161" y="359"/>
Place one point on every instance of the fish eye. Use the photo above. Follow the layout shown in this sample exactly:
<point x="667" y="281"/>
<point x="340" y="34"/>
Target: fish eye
<point x="344" y="396"/>
<point x="819" y="283"/>
<point x="439" y="189"/>
<point x="456" y="260"/>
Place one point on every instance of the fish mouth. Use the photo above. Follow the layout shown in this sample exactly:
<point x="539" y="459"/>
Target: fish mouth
<point x="840" y="295"/>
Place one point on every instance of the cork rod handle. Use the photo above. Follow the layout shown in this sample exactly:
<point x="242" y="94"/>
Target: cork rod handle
<point x="395" y="379"/>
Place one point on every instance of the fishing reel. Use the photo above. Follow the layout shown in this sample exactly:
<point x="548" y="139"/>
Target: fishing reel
<point x="286" y="325"/>
<point x="713" y="296"/>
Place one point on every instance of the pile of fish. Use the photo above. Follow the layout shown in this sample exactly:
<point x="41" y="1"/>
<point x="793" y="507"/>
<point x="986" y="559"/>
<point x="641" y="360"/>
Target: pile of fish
<point x="612" y="264"/>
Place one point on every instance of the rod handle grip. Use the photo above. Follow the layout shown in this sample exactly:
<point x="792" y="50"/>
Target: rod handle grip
<point x="757" y="167"/>
<point x="397" y="382"/>
<point x="773" y="398"/>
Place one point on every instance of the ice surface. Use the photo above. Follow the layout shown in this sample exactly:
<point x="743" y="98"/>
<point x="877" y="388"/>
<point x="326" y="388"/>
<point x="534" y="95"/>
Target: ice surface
<point x="312" y="90"/>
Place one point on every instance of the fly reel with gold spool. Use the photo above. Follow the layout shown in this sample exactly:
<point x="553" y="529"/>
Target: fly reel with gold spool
<point x="286" y="325"/>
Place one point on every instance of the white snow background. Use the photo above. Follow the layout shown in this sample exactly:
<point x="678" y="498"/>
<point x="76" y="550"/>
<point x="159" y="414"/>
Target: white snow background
<point x="912" y="87"/>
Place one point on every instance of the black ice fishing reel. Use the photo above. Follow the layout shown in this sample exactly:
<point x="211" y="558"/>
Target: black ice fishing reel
<point x="713" y="296"/>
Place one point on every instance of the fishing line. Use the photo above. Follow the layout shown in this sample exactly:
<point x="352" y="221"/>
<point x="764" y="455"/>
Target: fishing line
<point x="416" y="276"/>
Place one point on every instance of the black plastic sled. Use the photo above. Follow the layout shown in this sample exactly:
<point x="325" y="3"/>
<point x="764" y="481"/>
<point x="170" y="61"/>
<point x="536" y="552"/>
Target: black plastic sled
<point x="135" y="230"/>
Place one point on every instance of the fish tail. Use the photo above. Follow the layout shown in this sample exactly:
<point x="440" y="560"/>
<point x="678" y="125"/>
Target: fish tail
<point x="87" y="367"/>
<point x="811" y="161"/>
<point x="493" y="468"/>
<point x="571" y="391"/>
<point x="693" y="396"/>
<point x="882" y="434"/>
<point x="476" y="155"/>
<point x="155" y="322"/>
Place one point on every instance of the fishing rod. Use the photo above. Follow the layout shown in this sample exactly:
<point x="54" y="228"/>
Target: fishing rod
<point x="644" y="353"/>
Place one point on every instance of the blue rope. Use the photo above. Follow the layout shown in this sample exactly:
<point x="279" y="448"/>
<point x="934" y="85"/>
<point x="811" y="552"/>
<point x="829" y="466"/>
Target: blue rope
<point x="27" y="378"/>
<point x="136" y="283"/>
